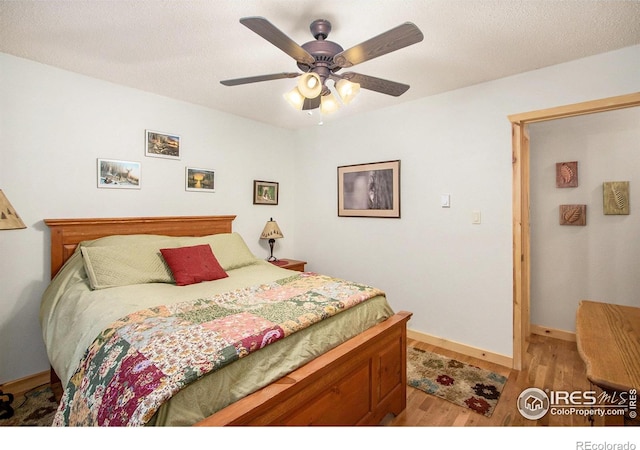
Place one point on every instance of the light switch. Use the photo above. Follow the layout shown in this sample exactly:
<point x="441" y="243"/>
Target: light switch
<point x="475" y="217"/>
<point x="445" y="200"/>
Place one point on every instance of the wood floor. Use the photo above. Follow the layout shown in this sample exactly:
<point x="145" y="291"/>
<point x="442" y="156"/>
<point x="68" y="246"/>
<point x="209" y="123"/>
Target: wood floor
<point x="552" y="364"/>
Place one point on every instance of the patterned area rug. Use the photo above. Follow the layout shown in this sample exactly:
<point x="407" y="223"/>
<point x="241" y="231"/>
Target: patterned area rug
<point x="465" y="385"/>
<point x="36" y="409"/>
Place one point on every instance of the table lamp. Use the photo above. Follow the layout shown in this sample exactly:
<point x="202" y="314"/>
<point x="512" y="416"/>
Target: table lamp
<point x="272" y="232"/>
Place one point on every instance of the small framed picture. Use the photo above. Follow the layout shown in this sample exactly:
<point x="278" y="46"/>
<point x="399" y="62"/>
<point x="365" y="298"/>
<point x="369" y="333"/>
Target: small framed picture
<point x="265" y="192"/>
<point x="369" y="190"/>
<point x="199" y="180"/>
<point x="615" y="197"/>
<point x="116" y="174"/>
<point x="162" y="145"/>
<point x="567" y="174"/>
<point x="573" y="215"/>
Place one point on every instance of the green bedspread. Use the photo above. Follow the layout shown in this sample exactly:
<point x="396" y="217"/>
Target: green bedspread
<point x="144" y="359"/>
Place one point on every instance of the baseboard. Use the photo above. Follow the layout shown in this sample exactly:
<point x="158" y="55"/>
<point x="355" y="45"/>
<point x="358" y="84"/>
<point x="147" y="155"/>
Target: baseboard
<point x="464" y="349"/>
<point x="19" y="387"/>
<point x="552" y="332"/>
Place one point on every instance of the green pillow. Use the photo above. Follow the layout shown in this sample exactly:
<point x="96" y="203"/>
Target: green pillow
<point x="121" y="265"/>
<point x="121" y="260"/>
<point x="230" y="249"/>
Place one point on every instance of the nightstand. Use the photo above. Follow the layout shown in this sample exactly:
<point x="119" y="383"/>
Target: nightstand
<point x="291" y="264"/>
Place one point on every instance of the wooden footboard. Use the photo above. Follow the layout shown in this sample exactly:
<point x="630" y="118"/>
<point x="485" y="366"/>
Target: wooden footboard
<point x="357" y="383"/>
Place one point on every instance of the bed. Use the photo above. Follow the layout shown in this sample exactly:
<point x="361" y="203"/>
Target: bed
<point x="347" y="369"/>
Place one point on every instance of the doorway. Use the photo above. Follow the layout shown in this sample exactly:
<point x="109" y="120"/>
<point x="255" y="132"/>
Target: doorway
<point x="521" y="231"/>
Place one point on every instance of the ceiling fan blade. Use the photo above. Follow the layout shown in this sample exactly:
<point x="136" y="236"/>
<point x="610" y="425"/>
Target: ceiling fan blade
<point x="311" y="103"/>
<point x="268" y="31"/>
<point x="375" y="84"/>
<point x="387" y="42"/>
<point x="247" y="80"/>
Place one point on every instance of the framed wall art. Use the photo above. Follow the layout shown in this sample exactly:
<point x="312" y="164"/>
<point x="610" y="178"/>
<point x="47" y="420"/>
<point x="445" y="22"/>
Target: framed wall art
<point x="567" y="174"/>
<point x="615" y="198"/>
<point x="116" y="174"/>
<point x="265" y="192"/>
<point x="162" y="145"/>
<point x="199" y="180"/>
<point x="369" y="190"/>
<point x="573" y="215"/>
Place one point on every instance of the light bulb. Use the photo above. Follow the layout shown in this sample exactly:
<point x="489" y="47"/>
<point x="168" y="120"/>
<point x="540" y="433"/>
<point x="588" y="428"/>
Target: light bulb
<point x="329" y="104"/>
<point x="347" y="90"/>
<point x="295" y="98"/>
<point x="310" y="85"/>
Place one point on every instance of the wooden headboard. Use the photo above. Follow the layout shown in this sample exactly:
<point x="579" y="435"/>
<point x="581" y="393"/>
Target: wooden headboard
<point x="66" y="234"/>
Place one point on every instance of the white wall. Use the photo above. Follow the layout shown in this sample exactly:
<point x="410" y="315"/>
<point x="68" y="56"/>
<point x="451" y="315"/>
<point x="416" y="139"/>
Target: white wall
<point x="454" y="276"/>
<point x="55" y="124"/>
<point x="598" y="261"/>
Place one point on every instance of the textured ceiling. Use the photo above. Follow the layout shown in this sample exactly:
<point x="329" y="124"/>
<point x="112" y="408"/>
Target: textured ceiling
<point x="182" y="49"/>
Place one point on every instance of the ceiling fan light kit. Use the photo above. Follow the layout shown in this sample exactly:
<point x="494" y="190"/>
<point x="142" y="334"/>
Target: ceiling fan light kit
<point x="320" y="60"/>
<point x="328" y="104"/>
<point x="295" y="98"/>
<point x="309" y="85"/>
<point x="347" y="90"/>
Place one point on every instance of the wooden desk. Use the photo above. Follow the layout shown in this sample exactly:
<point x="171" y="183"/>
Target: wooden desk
<point x="608" y="338"/>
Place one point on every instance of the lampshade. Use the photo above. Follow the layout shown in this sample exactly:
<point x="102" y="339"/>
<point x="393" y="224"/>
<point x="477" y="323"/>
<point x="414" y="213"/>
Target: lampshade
<point x="9" y="218"/>
<point x="328" y="104"/>
<point x="310" y="85"/>
<point x="271" y="230"/>
<point x="295" y="98"/>
<point x="347" y="90"/>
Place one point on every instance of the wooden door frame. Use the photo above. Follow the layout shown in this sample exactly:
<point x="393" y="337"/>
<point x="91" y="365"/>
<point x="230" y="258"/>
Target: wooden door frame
<point x="521" y="232"/>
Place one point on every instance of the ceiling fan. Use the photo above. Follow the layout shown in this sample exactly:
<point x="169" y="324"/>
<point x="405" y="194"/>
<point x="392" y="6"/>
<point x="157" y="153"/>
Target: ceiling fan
<point x="320" y="60"/>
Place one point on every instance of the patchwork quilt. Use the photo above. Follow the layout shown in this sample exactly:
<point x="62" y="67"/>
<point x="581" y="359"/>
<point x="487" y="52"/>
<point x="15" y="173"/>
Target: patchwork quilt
<point x="143" y="359"/>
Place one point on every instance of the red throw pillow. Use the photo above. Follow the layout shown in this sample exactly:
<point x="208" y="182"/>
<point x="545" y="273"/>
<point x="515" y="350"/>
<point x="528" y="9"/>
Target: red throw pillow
<point x="190" y="265"/>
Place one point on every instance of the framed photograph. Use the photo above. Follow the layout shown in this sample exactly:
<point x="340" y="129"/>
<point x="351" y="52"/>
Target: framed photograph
<point x="567" y="174"/>
<point x="116" y="174"/>
<point x="199" y="180"/>
<point x="162" y="145"/>
<point x="265" y="192"/>
<point x="369" y="190"/>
